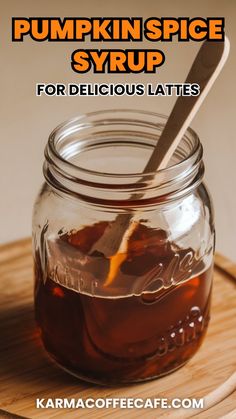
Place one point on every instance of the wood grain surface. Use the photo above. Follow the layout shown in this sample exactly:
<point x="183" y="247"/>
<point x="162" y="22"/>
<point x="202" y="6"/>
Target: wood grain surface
<point x="27" y="373"/>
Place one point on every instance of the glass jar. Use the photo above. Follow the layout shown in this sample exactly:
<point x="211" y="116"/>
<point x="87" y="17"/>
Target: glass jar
<point x="124" y="315"/>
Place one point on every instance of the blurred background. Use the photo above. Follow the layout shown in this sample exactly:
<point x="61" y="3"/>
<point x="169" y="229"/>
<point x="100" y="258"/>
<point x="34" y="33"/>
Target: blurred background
<point x="26" y="120"/>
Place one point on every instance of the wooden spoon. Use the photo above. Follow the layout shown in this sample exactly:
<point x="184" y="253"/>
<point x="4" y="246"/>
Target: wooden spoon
<point x="204" y="71"/>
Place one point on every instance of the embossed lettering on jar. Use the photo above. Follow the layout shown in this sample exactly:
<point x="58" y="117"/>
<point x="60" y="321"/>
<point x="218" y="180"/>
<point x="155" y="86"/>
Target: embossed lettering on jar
<point x="148" y="315"/>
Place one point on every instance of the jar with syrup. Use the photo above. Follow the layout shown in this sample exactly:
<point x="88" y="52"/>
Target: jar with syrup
<point x="149" y="315"/>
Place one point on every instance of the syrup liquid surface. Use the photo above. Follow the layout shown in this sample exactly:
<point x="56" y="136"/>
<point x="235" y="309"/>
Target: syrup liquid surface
<point x="112" y="339"/>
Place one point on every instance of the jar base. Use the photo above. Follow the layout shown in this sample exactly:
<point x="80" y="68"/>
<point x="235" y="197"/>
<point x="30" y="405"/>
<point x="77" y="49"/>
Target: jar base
<point x="111" y="379"/>
<point x="114" y="383"/>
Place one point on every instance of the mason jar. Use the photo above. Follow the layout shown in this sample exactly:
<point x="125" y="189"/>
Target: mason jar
<point x="123" y="259"/>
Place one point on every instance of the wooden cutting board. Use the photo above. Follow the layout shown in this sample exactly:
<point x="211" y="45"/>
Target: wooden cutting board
<point x="27" y="373"/>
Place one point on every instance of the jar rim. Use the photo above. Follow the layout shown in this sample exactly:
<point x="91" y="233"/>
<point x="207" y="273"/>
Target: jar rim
<point x="53" y="136"/>
<point x="108" y="127"/>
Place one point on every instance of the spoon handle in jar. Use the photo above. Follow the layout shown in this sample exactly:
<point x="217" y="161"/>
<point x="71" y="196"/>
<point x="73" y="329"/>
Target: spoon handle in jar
<point x="204" y="71"/>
